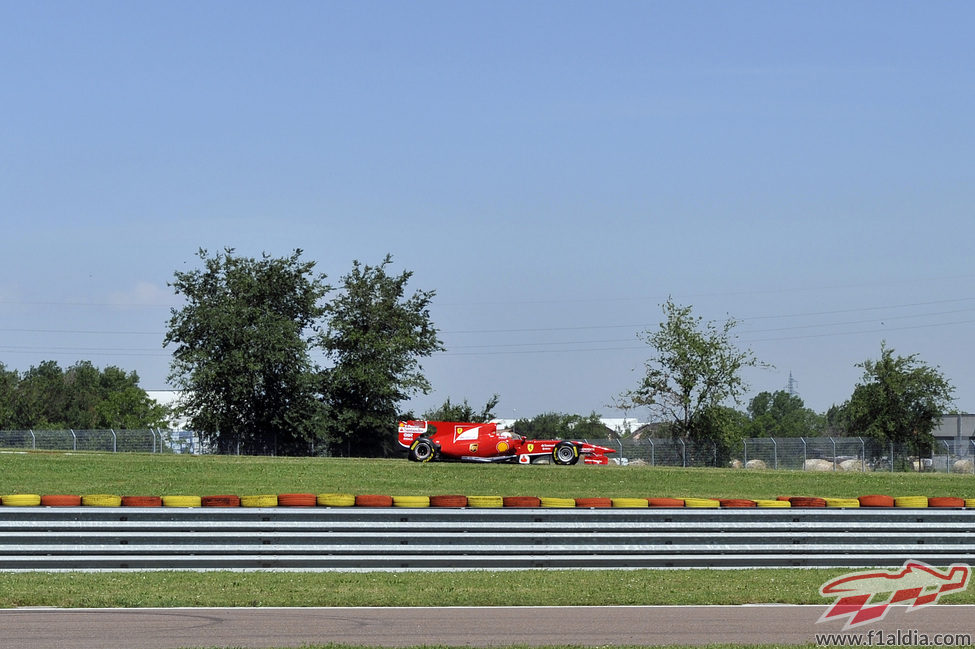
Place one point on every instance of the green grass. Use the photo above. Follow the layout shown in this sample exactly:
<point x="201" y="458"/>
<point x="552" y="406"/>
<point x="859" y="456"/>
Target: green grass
<point x="146" y="474"/>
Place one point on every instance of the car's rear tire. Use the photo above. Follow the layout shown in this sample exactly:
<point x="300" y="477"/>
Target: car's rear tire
<point x="422" y="450"/>
<point x="565" y="453"/>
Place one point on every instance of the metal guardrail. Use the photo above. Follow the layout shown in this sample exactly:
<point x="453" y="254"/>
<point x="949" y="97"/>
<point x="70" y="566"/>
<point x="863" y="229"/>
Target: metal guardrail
<point x="90" y="538"/>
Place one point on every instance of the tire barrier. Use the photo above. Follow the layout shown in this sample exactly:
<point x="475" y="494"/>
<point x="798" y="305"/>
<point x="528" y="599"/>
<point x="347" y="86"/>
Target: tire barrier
<point x="141" y="501"/>
<point x="701" y="503"/>
<point x="373" y="500"/>
<point x="485" y="502"/>
<point x="448" y="500"/>
<point x="411" y="501"/>
<point x="182" y="501"/>
<point x="220" y="501"/>
<point x="336" y="500"/>
<point x="557" y="502"/>
<point x="629" y="503"/>
<point x="803" y="501"/>
<point x="345" y="538"/>
<point x="946" y="501"/>
<point x="780" y="504"/>
<point x="521" y="501"/>
<point x="260" y="500"/>
<point x="594" y="502"/>
<point x="736" y="502"/>
<point x="21" y="500"/>
<point x="297" y="500"/>
<point x="665" y="502"/>
<point x="842" y="502"/>
<point x="910" y="501"/>
<point x="876" y="500"/>
<point x="60" y="500"/>
<point x="101" y="500"/>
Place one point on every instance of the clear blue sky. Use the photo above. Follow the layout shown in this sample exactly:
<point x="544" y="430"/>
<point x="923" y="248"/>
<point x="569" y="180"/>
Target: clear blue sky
<point x="553" y="170"/>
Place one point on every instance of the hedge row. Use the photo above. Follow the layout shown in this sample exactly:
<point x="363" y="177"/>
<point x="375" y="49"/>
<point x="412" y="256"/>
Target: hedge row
<point x="378" y="500"/>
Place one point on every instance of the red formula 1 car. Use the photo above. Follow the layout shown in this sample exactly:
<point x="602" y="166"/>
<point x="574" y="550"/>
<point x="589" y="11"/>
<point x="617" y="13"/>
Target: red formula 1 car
<point x="449" y="440"/>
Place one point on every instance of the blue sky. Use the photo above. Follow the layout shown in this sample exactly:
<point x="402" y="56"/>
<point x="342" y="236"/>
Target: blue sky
<point x="553" y="170"/>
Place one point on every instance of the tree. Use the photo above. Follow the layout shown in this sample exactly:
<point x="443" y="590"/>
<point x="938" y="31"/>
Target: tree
<point x="375" y="338"/>
<point x="242" y="354"/>
<point x="899" y="399"/>
<point x="696" y="368"/>
<point x="780" y="414"/>
<point x="463" y="412"/>
<point x="560" y="425"/>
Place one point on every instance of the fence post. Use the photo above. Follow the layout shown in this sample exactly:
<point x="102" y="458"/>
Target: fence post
<point x="114" y="441"/>
<point x="74" y="443"/>
<point x="683" y="452"/>
<point x="744" y="444"/>
<point x="714" y="448"/>
<point x="804" y="458"/>
<point x="863" y="456"/>
<point x="834" y="452"/>
<point x="892" y="456"/>
<point x="947" y="456"/>
<point x="33" y="440"/>
<point x="653" y="453"/>
<point x="775" y="453"/>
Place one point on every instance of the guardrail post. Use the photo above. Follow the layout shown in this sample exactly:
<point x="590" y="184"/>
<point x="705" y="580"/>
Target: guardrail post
<point x="834" y="452"/>
<point x="775" y="453"/>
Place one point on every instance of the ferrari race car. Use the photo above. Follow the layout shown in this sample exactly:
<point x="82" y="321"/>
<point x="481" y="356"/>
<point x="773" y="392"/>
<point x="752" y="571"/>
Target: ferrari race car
<point x="449" y="440"/>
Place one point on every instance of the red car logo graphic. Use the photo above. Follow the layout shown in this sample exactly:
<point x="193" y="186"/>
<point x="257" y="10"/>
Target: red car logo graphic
<point x="916" y="582"/>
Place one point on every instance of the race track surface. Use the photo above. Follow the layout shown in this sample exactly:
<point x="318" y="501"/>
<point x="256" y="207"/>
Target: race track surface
<point x="468" y="626"/>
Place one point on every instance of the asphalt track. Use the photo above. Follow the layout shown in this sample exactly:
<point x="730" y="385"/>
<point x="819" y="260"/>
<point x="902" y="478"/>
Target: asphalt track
<point x="40" y="628"/>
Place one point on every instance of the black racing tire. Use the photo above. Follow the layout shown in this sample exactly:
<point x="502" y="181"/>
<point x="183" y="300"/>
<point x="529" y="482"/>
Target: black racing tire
<point x="422" y="450"/>
<point x="565" y="453"/>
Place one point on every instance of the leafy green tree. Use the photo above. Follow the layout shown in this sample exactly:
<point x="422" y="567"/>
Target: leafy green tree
<point x="8" y="391"/>
<point x="375" y="338"/>
<point x="695" y="369"/>
<point x="899" y="399"/>
<point x="242" y="352"/>
<point x="780" y="414"/>
<point x="560" y="425"/>
<point x="463" y="412"/>
<point x="40" y="401"/>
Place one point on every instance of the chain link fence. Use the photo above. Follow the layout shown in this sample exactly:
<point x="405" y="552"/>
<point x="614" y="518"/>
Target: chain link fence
<point x="799" y="453"/>
<point x="149" y="440"/>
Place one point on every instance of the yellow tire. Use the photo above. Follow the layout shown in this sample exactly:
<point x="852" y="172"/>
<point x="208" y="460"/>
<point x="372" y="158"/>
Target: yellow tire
<point x="842" y="502"/>
<point x="101" y="500"/>
<point x="911" y="501"/>
<point x="21" y="500"/>
<point x="411" y="501"/>
<point x="773" y="503"/>
<point x="558" y="502"/>
<point x="491" y="502"/>
<point x="704" y="503"/>
<point x="264" y="500"/>
<point x="970" y="502"/>
<point x="181" y="501"/>
<point x="336" y="500"/>
<point x="630" y="502"/>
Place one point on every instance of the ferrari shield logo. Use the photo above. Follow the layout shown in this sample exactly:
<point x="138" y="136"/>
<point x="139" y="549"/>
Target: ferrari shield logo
<point x="531" y="447"/>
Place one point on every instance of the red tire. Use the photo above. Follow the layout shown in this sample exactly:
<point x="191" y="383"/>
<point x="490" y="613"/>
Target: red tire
<point x="594" y="502"/>
<point x="521" y="501"/>
<point x="220" y="501"/>
<point x="297" y="500"/>
<point x="788" y="499"/>
<point x="803" y="501"/>
<point x="448" y="500"/>
<point x="60" y="501"/>
<point x="876" y="500"/>
<point x="666" y="502"/>
<point x="141" y="501"/>
<point x="946" y="501"/>
<point x="373" y="500"/>
<point x="736" y="503"/>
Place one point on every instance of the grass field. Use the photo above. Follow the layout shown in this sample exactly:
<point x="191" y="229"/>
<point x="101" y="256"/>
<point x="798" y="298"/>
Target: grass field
<point x="139" y="474"/>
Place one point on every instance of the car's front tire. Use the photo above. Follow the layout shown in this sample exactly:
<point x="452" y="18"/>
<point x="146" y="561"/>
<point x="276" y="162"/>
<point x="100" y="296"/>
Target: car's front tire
<point x="422" y="450"/>
<point x="565" y="453"/>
